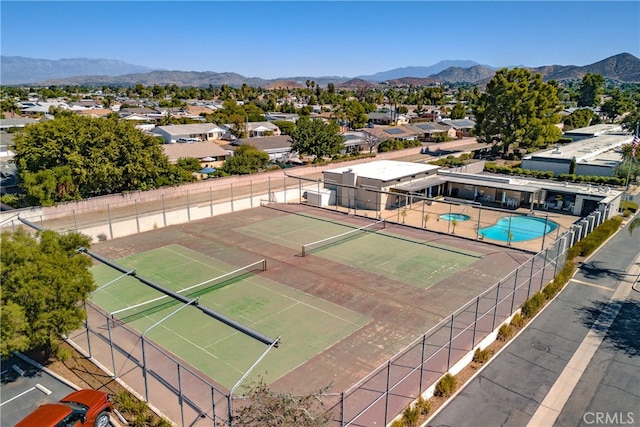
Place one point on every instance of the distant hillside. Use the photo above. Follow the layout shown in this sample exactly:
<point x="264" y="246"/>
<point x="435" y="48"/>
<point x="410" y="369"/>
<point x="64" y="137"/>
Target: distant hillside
<point x="415" y="81"/>
<point x="623" y="67"/>
<point x="180" y="78"/>
<point x="470" y="75"/>
<point x="18" y="69"/>
<point x="284" y="84"/>
<point x="356" y="84"/>
<point x="422" y="72"/>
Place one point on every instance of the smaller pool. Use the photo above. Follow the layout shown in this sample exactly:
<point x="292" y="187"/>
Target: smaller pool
<point x="456" y="216"/>
<point x="520" y="228"/>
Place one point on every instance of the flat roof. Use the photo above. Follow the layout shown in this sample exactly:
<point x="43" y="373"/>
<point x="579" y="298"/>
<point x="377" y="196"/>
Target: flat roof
<point x="385" y="170"/>
<point x="585" y="150"/>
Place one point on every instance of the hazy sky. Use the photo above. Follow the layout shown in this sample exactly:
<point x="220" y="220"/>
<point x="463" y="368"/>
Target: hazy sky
<point x="320" y="38"/>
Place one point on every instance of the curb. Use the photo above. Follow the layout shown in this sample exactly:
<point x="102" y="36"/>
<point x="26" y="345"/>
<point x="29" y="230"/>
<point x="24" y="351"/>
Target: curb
<point x="547" y="304"/>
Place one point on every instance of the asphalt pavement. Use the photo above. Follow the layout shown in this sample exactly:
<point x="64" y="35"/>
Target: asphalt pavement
<point x="25" y="388"/>
<point x="529" y="376"/>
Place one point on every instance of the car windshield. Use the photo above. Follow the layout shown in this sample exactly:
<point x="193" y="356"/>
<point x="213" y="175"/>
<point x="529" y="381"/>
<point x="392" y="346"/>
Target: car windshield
<point x="77" y="407"/>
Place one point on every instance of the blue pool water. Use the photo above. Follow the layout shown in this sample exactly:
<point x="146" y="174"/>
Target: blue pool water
<point x="456" y="216"/>
<point x="522" y="228"/>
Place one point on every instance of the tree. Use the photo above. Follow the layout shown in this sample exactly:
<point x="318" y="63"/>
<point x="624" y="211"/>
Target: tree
<point x="459" y="111"/>
<point x="268" y="408"/>
<point x="190" y="164"/>
<point x="618" y="104"/>
<point x="518" y="107"/>
<point x="246" y="160"/>
<point x="590" y="90"/>
<point x="286" y="127"/>
<point x="75" y="157"/>
<point x="578" y="119"/>
<point x="316" y="138"/>
<point x="44" y="280"/>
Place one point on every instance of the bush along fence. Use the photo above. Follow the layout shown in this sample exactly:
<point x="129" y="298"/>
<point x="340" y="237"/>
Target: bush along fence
<point x="514" y="170"/>
<point x="447" y="384"/>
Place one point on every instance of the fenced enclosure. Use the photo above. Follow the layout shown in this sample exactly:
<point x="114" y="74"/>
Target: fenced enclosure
<point x="380" y="395"/>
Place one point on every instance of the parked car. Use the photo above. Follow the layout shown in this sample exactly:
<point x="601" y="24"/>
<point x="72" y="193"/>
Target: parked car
<point x="189" y="140"/>
<point x="79" y="409"/>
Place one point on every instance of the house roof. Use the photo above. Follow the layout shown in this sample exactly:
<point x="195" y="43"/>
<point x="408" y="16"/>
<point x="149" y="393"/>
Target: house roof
<point x="198" y="150"/>
<point x="460" y="123"/>
<point x="261" y="126"/>
<point x="197" y="128"/>
<point x="268" y="143"/>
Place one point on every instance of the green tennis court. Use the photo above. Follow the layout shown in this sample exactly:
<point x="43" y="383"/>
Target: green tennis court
<point x="306" y="324"/>
<point x="382" y="252"/>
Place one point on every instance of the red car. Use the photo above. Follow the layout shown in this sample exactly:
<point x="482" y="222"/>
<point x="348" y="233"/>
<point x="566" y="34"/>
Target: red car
<point x="80" y="408"/>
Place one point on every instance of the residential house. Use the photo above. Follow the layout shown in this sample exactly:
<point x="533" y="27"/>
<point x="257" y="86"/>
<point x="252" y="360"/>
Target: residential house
<point x="18" y="122"/>
<point x="209" y="153"/>
<point x="387" y="119"/>
<point x="261" y="129"/>
<point x="429" y="131"/>
<point x="277" y="147"/>
<point x="463" y="127"/>
<point x="287" y="117"/>
<point x="202" y="131"/>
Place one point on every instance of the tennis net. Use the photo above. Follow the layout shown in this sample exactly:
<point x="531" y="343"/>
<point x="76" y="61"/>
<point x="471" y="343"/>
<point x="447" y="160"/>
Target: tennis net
<point x="329" y="241"/>
<point x="148" y="307"/>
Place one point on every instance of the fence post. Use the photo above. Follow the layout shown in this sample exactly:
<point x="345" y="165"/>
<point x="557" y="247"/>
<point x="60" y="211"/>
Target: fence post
<point x="180" y="399"/>
<point x="211" y="201"/>
<point x="188" y="208"/>
<point x="137" y="216"/>
<point x="251" y="192"/>
<point x="110" y="223"/>
<point x="231" y="189"/>
<point x="88" y="328"/>
<point x="544" y="267"/>
<point x="113" y="360"/>
<point x="75" y="220"/>
<point x="164" y="211"/>
<point x="386" y="401"/>
<point x="424" y="340"/>
<point x="144" y="371"/>
<point x="475" y="323"/>
<point x="342" y="408"/>
<point x="450" y="344"/>
<point x="530" y="276"/>
<point x="495" y="309"/>
<point x="284" y="181"/>
<point x="515" y="287"/>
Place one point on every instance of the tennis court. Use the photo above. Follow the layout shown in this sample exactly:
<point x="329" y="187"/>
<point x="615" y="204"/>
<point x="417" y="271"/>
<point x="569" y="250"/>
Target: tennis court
<point x="341" y="310"/>
<point x="371" y="248"/>
<point x="244" y="296"/>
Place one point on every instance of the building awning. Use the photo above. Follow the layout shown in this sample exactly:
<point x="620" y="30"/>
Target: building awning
<point x="504" y="185"/>
<point x="418" y="185"/>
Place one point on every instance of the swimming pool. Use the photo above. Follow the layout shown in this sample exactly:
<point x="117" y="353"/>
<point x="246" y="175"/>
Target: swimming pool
<point x="521" y="228"/>
<point x="457" y="216"/>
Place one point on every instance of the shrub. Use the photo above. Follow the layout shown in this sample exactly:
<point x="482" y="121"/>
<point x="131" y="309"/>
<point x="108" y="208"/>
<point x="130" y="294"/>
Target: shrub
<point x="423" y="405"/>
<point x="533" y="305"/>
<point x="398" y="423"/>
<point x="63" y="353"/>
<point x="411" y="415"/>
<point x="517" y="320"/>
<point x="628" y="205"/>
<point x="446" y="386"/>
<point x="481" y="356"/>
<point x="505" y="332"/>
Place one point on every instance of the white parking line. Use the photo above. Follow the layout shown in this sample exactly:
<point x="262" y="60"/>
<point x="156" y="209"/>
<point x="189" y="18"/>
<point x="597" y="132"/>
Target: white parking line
<point x="36" y="387"/>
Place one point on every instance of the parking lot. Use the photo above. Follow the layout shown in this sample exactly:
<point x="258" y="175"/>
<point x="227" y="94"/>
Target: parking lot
<point x="25" y="387"/>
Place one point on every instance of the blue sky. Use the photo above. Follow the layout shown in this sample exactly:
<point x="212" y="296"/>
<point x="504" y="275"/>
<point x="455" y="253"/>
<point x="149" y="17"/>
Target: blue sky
<point x="320" y="38"/>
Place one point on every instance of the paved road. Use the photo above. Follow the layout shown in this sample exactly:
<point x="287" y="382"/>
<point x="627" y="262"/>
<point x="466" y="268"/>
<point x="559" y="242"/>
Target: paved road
<point x="20" y="396"/>
<point x="511" y="389"/>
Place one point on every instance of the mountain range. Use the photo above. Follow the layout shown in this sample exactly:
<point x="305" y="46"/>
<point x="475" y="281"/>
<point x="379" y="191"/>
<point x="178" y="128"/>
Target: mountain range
<point x="16" y="70"/>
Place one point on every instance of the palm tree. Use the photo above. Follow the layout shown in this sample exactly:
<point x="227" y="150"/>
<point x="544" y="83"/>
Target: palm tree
<point x="454" y="222"/>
